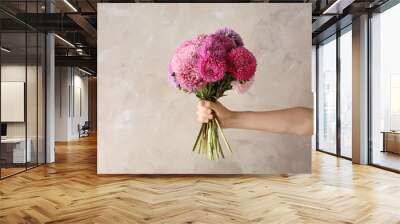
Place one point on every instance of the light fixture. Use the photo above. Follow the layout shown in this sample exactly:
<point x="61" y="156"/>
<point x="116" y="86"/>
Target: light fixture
<point x="84" y="71"/>
<point x="80" y="51"/>
<point x="338" y="6"/>
<point x="5" y="50"/>
<point x="64" y="40"/>
<point x="70" y="5"/>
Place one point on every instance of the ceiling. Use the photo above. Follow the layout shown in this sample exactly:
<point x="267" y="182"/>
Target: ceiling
<point x="75" y="22"/>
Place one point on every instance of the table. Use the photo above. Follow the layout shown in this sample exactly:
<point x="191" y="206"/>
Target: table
<point x="391" y="141"/>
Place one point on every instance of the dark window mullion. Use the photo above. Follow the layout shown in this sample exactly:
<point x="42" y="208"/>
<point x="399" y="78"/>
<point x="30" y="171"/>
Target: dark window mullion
<point x="37" y="90"/>
<point x="26" y="87"/>
<point x="369" y="90"/>
<point x="317" y="97"/>
<point x="338" y="80"/>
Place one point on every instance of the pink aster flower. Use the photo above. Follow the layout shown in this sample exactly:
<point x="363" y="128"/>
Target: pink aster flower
<point x="172" y="76"/>
<point x="241" y="64"/>
<point x="235" y="37"/>
<point x="197" y="41"/>
<point x="183" y="68"/>
<point x="190" y="80"/>
<point x="211" y="69"/>
<point x="184" y="56"/>
<point x="242" y="86"/>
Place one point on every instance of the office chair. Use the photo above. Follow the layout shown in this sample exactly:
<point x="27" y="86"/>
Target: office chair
<point x="84" y="130"/>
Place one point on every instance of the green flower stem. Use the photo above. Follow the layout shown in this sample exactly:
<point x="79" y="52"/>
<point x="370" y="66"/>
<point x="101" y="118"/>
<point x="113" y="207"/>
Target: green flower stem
<point x="216" y="155"/>
<point x="220" y="148"/>
<point x="215" y="134"/>
<point x="209" y="145"/>
<point x="205" y="139"/>
<point x="223" y="136"/>
<point x="198" y="137"/>
<point x="198" y="143"/>
<point x="208" y="140"/>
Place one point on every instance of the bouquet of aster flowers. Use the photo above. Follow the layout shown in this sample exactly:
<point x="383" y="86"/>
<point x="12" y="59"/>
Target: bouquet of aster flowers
<point x="208" y="66"/>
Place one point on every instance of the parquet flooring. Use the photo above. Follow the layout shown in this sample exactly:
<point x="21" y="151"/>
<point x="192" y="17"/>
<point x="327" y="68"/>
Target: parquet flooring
<point x="70" y="191"/>
<point x="10" y="171"/>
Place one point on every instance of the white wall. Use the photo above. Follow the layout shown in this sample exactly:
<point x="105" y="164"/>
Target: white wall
<point x="62" y="81"/>
<point x="79" y="117"/>
<point x="11" y="73"/>
<point x="70" y="81"/>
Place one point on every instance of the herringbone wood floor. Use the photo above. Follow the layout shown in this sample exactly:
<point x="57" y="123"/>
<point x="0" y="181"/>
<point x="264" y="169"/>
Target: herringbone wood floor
<point x="69" y="191"/>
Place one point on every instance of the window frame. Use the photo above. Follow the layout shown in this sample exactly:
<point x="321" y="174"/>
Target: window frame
<point x="381" y="9"/>
<point x="334" y="37"/>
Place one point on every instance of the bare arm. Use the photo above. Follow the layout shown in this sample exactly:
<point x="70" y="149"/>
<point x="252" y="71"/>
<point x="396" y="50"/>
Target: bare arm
<point x="296" y="120"/>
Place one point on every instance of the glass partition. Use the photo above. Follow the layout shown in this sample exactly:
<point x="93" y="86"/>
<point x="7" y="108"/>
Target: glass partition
<point x="327" y="96"/>
<point x="14" y="153"/>
<point x="22" y="101"/>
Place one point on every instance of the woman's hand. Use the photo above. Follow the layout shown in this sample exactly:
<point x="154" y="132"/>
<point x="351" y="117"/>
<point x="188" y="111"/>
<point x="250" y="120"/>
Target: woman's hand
<point x="204" y="113"/>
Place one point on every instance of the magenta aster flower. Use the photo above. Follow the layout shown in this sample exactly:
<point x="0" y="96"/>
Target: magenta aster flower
<point x="241" y="64"/>
<point x="235" y="37"/>
<point x="212" y="69"/>
<point x="216" y="46"/>
<point x="212" y="57"/>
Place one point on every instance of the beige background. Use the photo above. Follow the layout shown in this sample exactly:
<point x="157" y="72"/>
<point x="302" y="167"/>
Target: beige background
<point x="145" y="126"/>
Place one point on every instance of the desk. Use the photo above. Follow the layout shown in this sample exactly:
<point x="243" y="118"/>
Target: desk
<point x="15" y="148"/>
<point x="391" y="141"/>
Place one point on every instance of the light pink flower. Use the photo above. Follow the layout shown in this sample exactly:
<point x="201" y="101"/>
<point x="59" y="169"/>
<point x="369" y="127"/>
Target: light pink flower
<point x="242" y="86"/>
<point x="184" y="66"/>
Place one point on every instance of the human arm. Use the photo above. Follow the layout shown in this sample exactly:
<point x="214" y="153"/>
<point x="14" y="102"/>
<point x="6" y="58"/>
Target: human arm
<point x="295" y="120"/>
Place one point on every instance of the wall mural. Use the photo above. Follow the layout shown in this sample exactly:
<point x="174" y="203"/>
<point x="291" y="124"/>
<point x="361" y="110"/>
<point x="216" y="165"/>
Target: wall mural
<point x="208" y="51"/>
